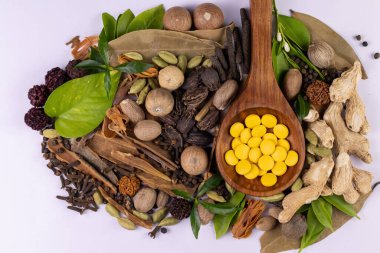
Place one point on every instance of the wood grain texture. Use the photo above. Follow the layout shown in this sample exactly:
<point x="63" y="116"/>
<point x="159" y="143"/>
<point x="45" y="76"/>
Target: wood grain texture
<point x="261" y="95"/>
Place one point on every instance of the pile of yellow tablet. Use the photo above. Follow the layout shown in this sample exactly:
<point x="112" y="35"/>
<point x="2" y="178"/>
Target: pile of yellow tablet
<point x="260" y="148"/>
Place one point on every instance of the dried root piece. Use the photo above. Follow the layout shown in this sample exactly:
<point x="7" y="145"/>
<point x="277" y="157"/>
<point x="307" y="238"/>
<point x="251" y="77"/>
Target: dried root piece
<point x="346" y="140"/>
<point x="351" y="195"/>
<point x="248" y="219"/>
<point x="343" y="88"/>
<point x="319" y="172"/>
<point x="324" y="133"/>
<point x="342" y="176"/>
<point x="327" y="191"/>
<point x="355" y="113"/>
<point x="312" y="116"/>
<point x="362" y="180"/>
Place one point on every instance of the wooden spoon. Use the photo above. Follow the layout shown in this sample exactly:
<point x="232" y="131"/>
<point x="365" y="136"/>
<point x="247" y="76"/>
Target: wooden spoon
<point x="261" y="95"/>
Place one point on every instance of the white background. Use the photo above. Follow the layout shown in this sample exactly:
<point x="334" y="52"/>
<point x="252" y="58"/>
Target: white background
<point x="32" y="40"/>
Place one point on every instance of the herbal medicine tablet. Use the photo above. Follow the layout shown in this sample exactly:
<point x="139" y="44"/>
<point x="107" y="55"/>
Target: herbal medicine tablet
<point x="236" y="129"/>
<point x="279" y="169"/>
<point x="252" y="120"/>
<point x="259" y="131"/>
<point x="269" y="179"/>
<point x="254" y="173"/>
<point x="270" y="136"/>
<point x="267" y="147"/>
<point x="266" y="163"/>
<point x="254" y="155"/>
<point x="243" y="167"/>
<point x="254" y="142"/>
<point x="280" y="154"/>
<point x="245" y="135"/>
<point x="281" y="131"/>
<point x="236" y="142"/>
<point x="230" y="158"/>
<point x="269" y="121"/>
<point x="292" y="158"/>
<point x="284" y="143"/>
<point x="242" y="151"/>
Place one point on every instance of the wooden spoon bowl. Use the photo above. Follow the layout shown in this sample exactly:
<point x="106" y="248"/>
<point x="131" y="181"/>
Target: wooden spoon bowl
<point x="261" y="95"/>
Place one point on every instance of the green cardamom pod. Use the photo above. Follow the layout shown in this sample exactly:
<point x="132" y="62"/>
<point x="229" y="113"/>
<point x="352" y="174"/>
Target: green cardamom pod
<point x="297" y="185"/>
<point x="127" y="224"/>
<point x="310" y="159"/>
<point x="158" y="215"/>
<point x="207" y="63"/>
<point x="214" y="196"/>
<point x="50" y="133"/>
<point x="159" y="62"/>
<point x="112" y="210"/>
<point x="141" y="99"/>
<point x="274" y="198"/>
<point x="230" y="189"/>
<point x="182" y="63"/>
<point x="323" y="152"/>
<point x="168" y="57"/>
<point x="311" y="149"/>
<point x="311" y="136"/>
<point x="195" y="62"/>
<point x="137" y="86"/>
<point x="134" y="56"/>
<point x="152" y="83"/>
<point x="140" y="215"/>
<point x="98" y="198"/>
<point x="169" y="221"/>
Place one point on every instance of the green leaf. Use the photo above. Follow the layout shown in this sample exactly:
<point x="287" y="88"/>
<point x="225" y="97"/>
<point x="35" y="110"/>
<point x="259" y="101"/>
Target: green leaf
<point x="302" y="107"/>
<point x="109" y="26"/>
<point x="103" y="48"/>
<point x="280" y="64"/>
<point x="323" y="211"/>
<point x="107" y="82"/>
<point x="339" y="203"/>
<point x="221" y="209"/>
<point x="149" y="19"/>
<point x="303" y="209"/>
<point x="295" y="30"/>
<point x="313" y="232"/>
<point x="210" y="184"/>
<point x="183" y="194"/>
<point x="91" y="64"/>
<point x="195" y="221"/>
<point x="123" y="22"/>
<point x="133" y="67"/>
<point x="80" y="105"/>
<point x="95" y="55"/>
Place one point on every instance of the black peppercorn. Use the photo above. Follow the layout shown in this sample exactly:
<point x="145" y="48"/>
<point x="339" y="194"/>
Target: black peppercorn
<point x="365" y="44"/>
<point x="358" y="37"/>
<point x="376" y="56"/>
<point x="164" y="230"/>
<point x="180" y="208"/>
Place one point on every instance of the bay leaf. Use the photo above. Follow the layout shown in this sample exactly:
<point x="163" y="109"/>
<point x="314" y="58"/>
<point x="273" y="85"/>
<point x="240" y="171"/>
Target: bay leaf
<point x="218" y="35"/>
<point x="345" y="54"/>
<point x="150" y="42"/>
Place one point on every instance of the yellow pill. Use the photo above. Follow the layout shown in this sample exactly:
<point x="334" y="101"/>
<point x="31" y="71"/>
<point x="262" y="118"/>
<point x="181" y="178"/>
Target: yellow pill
<point x="270" y="136"/>
<point x="259" y="131"/>
<point x="279" y="154"/>
<point x="266" y="163"/>
<point x="279" y="169"/>
<point x="242" y="151"/>
<point x="252" y="120"/>
<point x="235" y="142"/>
<point x="231" y="158"/>
<point x="281" y="131"/>
<point x="267" y="147"/>
<point x="254" y="142"/>
<point x="236" y="129"/>
<point x="262" y="172"/>
<point x="269" y="179"/>
<point x="253" y="173"/>
<point x="292" y="158"/>
<point x="245" y="135"/>
<point x="284" y="143"/>
<point x="254" y="155"/>
<point x="243" y="167"/>
<point x="269" y="120"/>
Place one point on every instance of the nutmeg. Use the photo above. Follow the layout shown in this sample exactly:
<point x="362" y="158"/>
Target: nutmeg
<point x="159" y="102"/>
<point x="208" y="16"/>
<point x="292" y="84"/>
<point x="224" y="95"/>
<point x="321" y="54"/>
<point x="177" y="19"/>
<point x="144" y="199"/>
<point x="132" y="110"/>
<point x="194" y="160"/>
<point x="171" y="78"/>
<point x="147" y="130"/>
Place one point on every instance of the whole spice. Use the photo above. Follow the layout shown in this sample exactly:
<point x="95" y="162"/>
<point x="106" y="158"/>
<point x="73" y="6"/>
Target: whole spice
<point x="194" y="160"/>
<point x="266" y="223"/>
<point x="205" y="215"/>
<point x="195" y="97"/>
<point x="192" y="80"/>
<point x="295" y="228"/>
<point x="292" y="84"/>
<point x="210" y="79"/>
<point x="224" y="95"/>
<point x="147" y="130"/>
<point x="55" y="78"/>
<point x="177" y="19"/>
<point x="376" y="56"/>
<point x="126" y="223"/>
<point x="132" y="110"/>
<point x="209" y="121"/>
<point x="38" y="95"/>
<point x="195" y="62"/>
<point x="318" y="93"/>
<point x="358" y="37"/>
<point x="162" y="199"/>
<point x="171" y="78"/>
<point x="365" y="44"/>
<point x="321" y="54"/>
<point x="112" y="211"/>
<point x="36" y="119"/>
<point x="144" y="199"/>
<point x="129" y="185"/>
<point x="179" y="209"/>
<point x="160" y="214"/>
<point x="168" y="57"/>
<point x="199" y="138"/>
<point x="74" y="72"/>
<point x="208" y="16"/>
<point x="159" y="102"/>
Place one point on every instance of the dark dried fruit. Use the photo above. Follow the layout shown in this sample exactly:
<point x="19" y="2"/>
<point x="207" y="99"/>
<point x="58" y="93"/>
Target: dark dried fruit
<point x="36" y="119"/>
<point x="192" y="81"/>
<point x="195" y="97"/>
<point x="180" y="208"/>
<point x="187" y="121"/>
<point x="38" y="95"/>
<point x="318" y="93"/>
<point x="210" y="78"/>
<point x="55" y="78"/>
<point x="200" y="138"/>
<point x="74" y="72"/>
<point x="209" y="121"/>
<point x="170" y="119"/>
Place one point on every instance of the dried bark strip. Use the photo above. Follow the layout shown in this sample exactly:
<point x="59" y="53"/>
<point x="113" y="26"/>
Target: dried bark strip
<point x="72" y="158"/>
<point x="219" y="68"/>
<point x="222" y="59"/>
<point x="231" y="48"/>
<point x="246" y="38"/>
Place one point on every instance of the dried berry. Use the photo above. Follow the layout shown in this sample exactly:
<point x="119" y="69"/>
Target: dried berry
<point x="74" y="72"/>
<point x="358" y="37"/>
<point x="129" y="185"/>
<point x="55" y="78"/>
<point x="36" y="119"/>
<point x="365" y="44"/>
<point x="210" y="78"/>
<point x="376" y="56"/>
<point x="180" y="208"/>
<point x="38" y="95"/>
<point x="318" y="93"/>
<point x="332" y="74"/>
<point x="209" y="121"/>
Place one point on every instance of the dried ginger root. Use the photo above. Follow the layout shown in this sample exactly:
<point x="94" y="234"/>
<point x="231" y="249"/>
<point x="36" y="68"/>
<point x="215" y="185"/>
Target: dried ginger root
<point x="324" y="133"/>
<point x="327" y="191"/>
<point x="312" y="116"/>
<point x="343" y="88"/>
<point x="362" y="180"/>
<point x="315" y="180"/>
<point x="355" y="113"/>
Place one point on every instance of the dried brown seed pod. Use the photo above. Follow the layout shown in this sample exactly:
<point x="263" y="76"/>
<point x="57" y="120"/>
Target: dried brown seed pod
<point x="208" y="16"/>
<point x="292" y="84"/>
<point x="224" y="95"/>
<point x="147" y="130"/>
<point x="318" y="93"/>
<point x="159" y="102"/>
<point x="177" y="19"/>
<point x="144" y="199"/>
<point x="194" y="160"/>
<point x="132" y="110"/>
<point x="210" y="79"/>
<point x="171" y="78"/>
